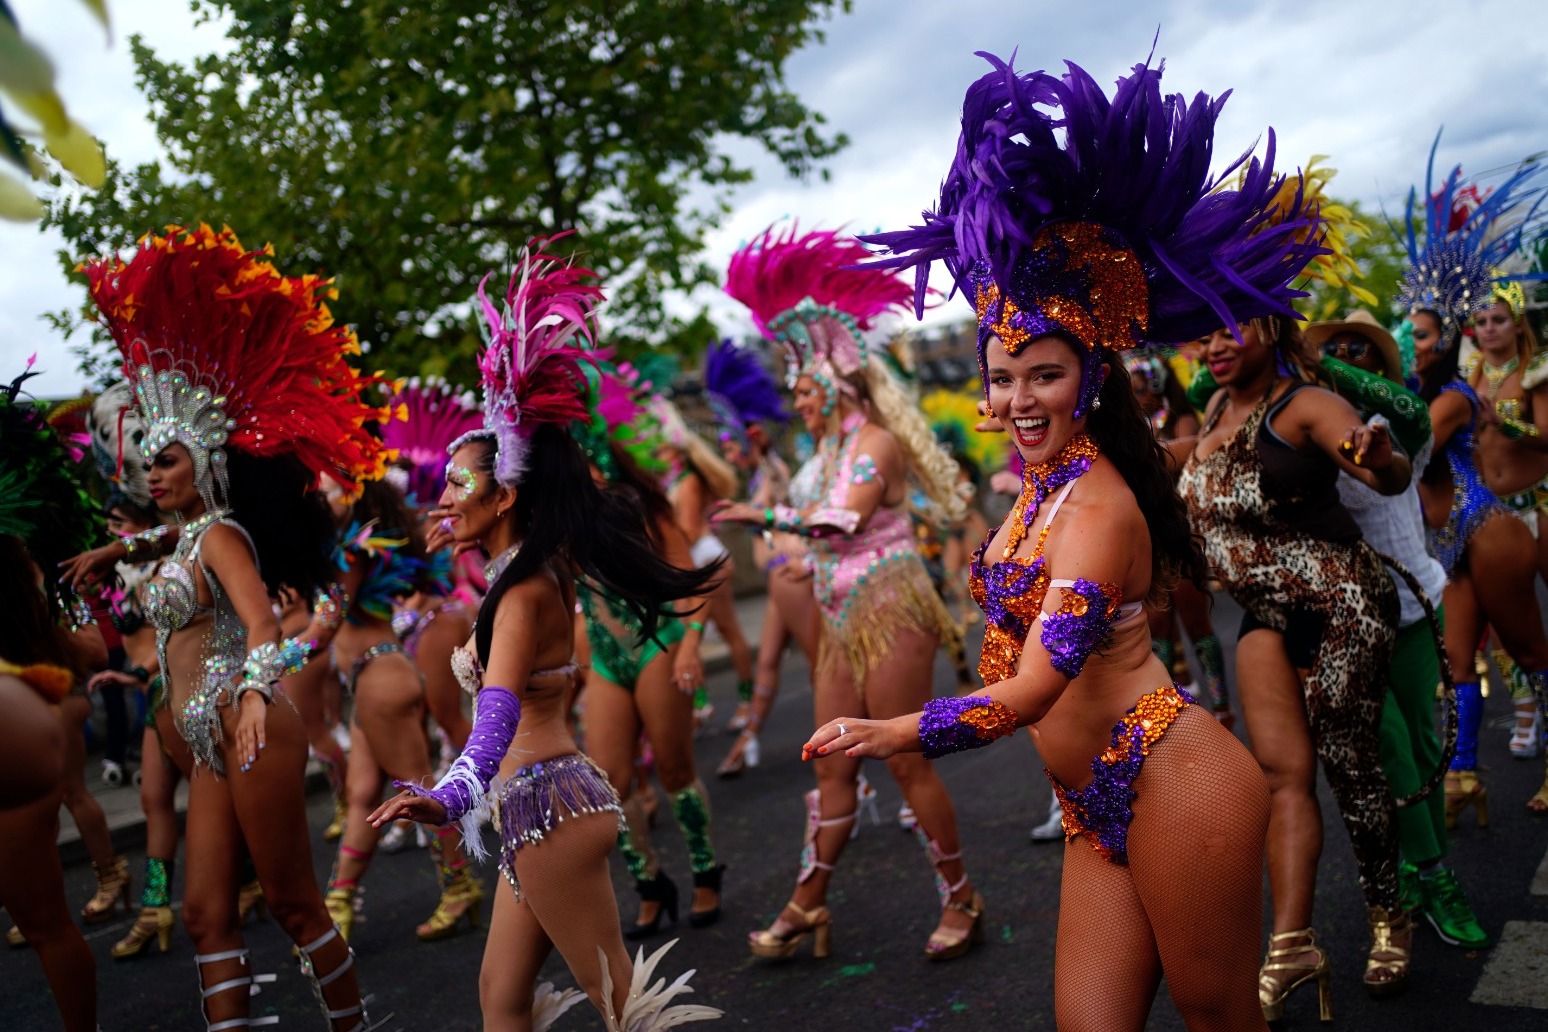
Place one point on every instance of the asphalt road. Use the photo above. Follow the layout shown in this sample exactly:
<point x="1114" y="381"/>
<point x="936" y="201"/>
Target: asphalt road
<point x="884" y="907"/>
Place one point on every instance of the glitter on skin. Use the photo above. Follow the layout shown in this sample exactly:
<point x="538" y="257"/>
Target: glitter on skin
<point x="463" y="479"/>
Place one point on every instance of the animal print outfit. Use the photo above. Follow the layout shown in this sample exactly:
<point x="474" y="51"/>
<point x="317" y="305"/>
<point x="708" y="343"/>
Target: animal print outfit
<point x="1336" y="595"/>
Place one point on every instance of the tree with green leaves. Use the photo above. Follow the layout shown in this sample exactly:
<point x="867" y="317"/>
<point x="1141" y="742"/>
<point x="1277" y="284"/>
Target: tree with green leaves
<point x="406" y="149"/>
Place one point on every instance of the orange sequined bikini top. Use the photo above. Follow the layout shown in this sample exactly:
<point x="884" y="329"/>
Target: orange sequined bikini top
<point x="1011" y="592"/>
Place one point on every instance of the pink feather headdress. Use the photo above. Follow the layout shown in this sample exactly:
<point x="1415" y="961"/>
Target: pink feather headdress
<point x="533" y="352"/>
<point x="431" y="415"/>
<point x="807" y="295"/>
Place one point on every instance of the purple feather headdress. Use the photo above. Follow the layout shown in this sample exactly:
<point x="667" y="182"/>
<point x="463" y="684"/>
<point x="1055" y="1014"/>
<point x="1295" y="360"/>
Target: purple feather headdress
<point x="740" y="391"/>
<point x="1098" y="220"/>
<point x="1467" y="236"/>
<point x="432" y="414"/>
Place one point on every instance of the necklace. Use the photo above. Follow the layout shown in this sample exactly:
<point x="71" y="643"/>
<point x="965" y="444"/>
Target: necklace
<point x="1037" y="481"/>
<point x="1495" y="376"/>
<point x="190" y="531"/>
<point x="496" y="566"/>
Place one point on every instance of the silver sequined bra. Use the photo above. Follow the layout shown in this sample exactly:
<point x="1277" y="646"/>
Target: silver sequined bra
<point x="171" y="604"/>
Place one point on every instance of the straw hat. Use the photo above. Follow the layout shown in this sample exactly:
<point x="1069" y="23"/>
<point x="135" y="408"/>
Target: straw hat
<point x="1364" y="324"/>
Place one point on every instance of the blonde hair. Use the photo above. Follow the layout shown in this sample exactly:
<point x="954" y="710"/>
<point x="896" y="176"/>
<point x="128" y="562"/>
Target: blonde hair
<point x="719" y="478"/>
<point x="935" y="471"/>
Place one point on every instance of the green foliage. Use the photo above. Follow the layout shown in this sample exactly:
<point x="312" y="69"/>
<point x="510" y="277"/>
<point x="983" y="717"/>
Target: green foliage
<point x="1382" y="256"/>
<point x="408" y="148"/>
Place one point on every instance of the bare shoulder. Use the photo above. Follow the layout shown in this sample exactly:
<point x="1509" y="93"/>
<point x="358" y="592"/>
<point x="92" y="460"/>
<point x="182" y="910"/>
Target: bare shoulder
<point x="225" y="542"/>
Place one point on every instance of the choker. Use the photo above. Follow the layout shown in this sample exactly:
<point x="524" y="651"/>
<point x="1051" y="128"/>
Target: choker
<point x="189" y="532"/>
<point x="1038" y="481"/>
<point x="496" y="566"/>
<point x="1495" y="376"/>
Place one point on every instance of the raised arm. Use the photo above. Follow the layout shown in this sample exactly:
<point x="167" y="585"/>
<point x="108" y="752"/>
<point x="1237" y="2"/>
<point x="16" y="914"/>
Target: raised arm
<point x="1363" y="450"/>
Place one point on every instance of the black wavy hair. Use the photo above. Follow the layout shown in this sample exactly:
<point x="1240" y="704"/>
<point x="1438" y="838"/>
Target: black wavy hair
<point x="646" y="492"/>
<point x="385" y="504"/>
<point x="29" y="632"/>
<point x="1123" y="434"/>
<point x="276" y="502"/>
<point x="602" y="533"/>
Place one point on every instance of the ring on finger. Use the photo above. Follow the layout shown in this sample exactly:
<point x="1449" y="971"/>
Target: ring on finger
<point x="843" y="730"/>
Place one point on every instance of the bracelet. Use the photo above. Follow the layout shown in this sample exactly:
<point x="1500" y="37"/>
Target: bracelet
<point x="696" y="625"/>
<point x="1515" y="429"/>
<point x="145" y="546"/>
<point x="261" y="670"/>
<point x="139" y="673"/>
<point x="768" y="518"/>
<point x="294" y="653"/>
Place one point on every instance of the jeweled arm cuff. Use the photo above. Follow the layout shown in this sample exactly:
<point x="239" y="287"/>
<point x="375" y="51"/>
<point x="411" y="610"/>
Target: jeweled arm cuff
<point x="1516" y="429"/>
<point x="959" y="722"/>
<point x="329" y="607"/>
<point x="145" y="546"/>
<point x="464" y="789"/>
<point x="294" y="653"/>
<point x="820" y="523"/>
<point x="261" y="672"/>
<point x="1081" y="625"/>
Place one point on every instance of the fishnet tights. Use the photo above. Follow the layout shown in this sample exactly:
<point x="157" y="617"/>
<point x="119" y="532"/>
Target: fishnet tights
<point x="1189" y="903"/>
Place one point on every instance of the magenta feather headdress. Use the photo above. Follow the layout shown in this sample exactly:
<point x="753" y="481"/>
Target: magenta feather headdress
<point x="1097" y="219"/>
<point x="807" y="294"/>
<point x="533" y="352"/>
<point x="431" y="415"/>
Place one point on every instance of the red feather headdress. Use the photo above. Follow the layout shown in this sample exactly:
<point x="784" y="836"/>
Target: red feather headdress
<point x="225" y="352"/>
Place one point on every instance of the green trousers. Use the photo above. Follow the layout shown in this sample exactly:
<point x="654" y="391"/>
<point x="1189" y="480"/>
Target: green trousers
<point x="1410" y="749"/>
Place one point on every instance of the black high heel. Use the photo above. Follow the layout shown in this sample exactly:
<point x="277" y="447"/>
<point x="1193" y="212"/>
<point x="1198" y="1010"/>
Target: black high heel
<point x="659" y="889"/>
<point x="707" y="880"/>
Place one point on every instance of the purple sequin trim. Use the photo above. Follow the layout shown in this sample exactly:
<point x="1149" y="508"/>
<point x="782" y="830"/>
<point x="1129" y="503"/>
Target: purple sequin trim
<point x="959" y="722"/>
<point x="1080" y="626"/>
<point x="461" y="791"/>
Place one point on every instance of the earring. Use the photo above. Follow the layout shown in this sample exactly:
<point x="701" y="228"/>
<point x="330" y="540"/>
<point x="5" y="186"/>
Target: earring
<point x="1096" y="403"/>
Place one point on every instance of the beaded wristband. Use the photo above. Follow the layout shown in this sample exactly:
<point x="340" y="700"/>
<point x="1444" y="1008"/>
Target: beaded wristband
<point x="145" y="546"/>
<point x="959" y="722"/>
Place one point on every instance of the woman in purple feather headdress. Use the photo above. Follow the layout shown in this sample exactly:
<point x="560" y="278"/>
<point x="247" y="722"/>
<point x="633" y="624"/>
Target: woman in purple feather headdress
<point x="1079" y="226"/>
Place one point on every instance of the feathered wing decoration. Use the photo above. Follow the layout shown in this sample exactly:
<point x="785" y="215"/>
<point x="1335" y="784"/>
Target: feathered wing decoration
<point x="433" y="414"/>
<point x="1458" y="243"/>
<point x="223" y="351"/>
<point x="740" y="390"/>
<point x="807" y="293"/>
<point x="42" y="500"/>
<point x="650" y="1007"/>
<point x="549" y="1004"/>
<point x="1066" y="211"/>
<point x="531" y="365"/>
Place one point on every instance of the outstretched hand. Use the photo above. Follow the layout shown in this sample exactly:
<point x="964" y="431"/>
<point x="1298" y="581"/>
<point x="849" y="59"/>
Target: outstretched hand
<point x="408" y="806"/>
<point x="736" y="512"/>
<point x="853" y="736"/>
<point x="1368" y="445"/>
<point x="90" y="568"/>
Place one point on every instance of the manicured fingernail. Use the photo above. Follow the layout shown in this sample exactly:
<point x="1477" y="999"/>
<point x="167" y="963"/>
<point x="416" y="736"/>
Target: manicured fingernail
<point x="261" y="744"/>
<point x="823" y="751"/>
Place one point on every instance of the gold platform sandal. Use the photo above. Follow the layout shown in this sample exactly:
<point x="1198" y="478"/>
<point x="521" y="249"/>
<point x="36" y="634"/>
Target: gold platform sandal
<point x="112" y="889"/>
<point x="1277" y="979"/>
<point x="461" y="896"/>
<point x="772" y="945"/>
<point x="153" y="923"/>
<point x="1386" y="969"/>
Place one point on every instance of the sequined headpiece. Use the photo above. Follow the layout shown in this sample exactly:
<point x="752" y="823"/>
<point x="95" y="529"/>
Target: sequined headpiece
<point x="1097" y="220"/>
<point x="431" y="414"/>
<point x="807" y="295"/>
<point x="222" y="351"/>
<point x="740" y="391"/>
<point x="533" y="352"/>
<point x="1461" y="238"/>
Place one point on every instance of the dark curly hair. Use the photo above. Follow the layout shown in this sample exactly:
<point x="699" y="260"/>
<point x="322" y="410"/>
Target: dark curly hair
<point x="385" y="504"/>
<point x="276" y="502"/>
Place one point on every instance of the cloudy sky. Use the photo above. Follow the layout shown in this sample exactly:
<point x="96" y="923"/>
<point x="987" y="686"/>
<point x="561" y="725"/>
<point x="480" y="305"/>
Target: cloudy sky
<point x="1365" y="81"/>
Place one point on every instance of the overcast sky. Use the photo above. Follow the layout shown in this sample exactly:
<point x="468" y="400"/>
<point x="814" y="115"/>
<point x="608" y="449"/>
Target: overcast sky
<point x="1365" y="81"/>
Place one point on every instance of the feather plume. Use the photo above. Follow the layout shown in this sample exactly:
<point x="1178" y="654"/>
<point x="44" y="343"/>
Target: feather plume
<point x="433" y="414"/>
<point x="1461" y="238"/>
<point x="1040" y="149"/>
<point x="1336" y="267"/>
<point x="531" y="364"/>
<point x="650" y="1007"/>
<point x="549" y="1004"/>
<point x="740" y="390"/>
<point x="195" y="304"/>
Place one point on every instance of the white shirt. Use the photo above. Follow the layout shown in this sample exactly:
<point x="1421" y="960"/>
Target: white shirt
<point x="1394" y="526"/>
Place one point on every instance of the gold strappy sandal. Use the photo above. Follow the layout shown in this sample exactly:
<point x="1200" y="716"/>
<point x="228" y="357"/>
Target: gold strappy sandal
<point x="1277" y="979"/>
<point x="1386" y="969"/>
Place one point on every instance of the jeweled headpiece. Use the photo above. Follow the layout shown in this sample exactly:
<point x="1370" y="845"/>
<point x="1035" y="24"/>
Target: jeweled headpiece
<point x="222" y="351"/>
<point x="807" y="294"/>
<point x="431" y="414"/>
<point x="1065" y="212"/>
<point x="740" y="391"/>
<point x="533" y="351"/>
<point x="1457" y="245"/>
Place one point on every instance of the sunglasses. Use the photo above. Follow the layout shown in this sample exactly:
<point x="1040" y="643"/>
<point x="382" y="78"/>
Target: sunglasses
<point x="1353" y="349"/>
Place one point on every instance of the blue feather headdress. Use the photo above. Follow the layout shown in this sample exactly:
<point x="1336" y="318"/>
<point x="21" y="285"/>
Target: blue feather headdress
<point x="740" y="391"/>
<point x="1098" y="220"/>
<point x="1453" y="268"/>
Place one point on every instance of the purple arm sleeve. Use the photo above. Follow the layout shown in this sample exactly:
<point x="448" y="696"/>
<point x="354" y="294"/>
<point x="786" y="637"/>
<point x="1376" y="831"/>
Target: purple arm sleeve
<point x="959" y="722"/>
<point x="463" y="789"/>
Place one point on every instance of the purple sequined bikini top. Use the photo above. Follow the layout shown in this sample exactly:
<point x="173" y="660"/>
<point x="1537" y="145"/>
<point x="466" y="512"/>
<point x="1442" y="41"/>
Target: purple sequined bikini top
<point x="1010" y="593"/>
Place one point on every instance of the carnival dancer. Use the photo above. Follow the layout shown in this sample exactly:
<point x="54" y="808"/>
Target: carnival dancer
<point x="882" y="618"/>
<point x="520" y="487"/>
<point x="696" y="478"/>
<point x="45" y="516"/>
<point x="639" y="683"/>
<point x="744" y="396"/>
<point x="1451" y="277"/>
<point x="1061" y="255"/>
<point x="242" y="382"/>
